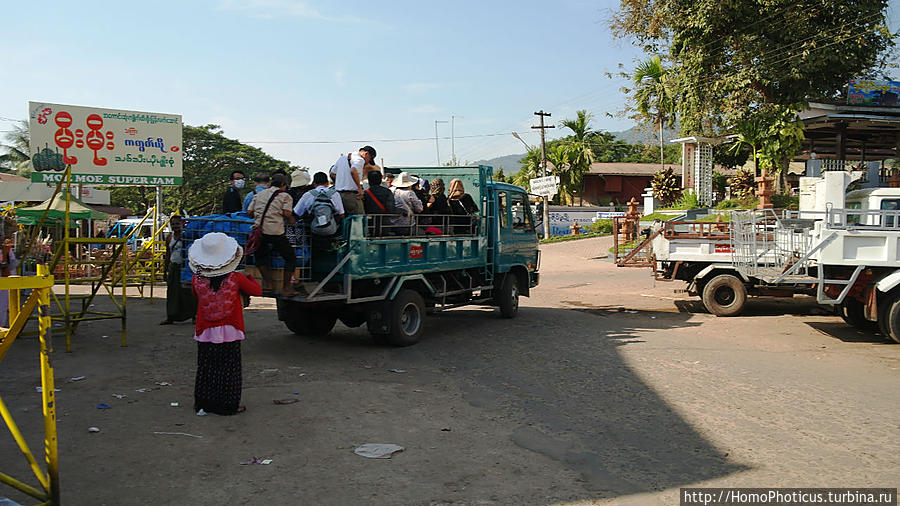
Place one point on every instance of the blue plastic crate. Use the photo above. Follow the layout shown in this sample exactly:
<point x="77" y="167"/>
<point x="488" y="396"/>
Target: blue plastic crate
<point x="238" y="226"/>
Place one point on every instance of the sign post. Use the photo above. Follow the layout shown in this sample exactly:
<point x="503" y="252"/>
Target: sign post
<point x="104" y="146"/>
<point x="547" y="186"/>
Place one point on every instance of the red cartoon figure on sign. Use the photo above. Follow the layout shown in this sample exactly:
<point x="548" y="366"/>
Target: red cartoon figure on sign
<point x="63" y="136"/>
<point x="96" y="140"/>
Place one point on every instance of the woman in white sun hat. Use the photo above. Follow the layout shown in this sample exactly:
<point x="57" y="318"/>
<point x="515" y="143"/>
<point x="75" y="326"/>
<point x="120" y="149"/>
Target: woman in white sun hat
<point x="220" y="322"/>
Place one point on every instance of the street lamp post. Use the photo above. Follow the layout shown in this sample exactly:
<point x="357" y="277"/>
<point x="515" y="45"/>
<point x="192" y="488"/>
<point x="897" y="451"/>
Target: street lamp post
<point x="546" y="198"/>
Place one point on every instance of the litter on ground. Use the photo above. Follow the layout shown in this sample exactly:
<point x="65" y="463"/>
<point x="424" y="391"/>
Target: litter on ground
<point x="377" y="450"/>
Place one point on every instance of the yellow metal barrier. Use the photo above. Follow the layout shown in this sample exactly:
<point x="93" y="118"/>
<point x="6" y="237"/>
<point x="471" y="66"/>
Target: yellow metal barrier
<point x="41" y="286"/>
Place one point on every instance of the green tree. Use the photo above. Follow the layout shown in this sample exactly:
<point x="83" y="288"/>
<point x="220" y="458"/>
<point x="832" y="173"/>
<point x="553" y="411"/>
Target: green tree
<point x="578" y="149"/>
<point x="653" y="97"/>
<point x="559" y="156"/>
<point x="733" y="60"/>
<point x="16" y="150"/>
<point x="209" y="158"/>
<point x="531" y="167"/>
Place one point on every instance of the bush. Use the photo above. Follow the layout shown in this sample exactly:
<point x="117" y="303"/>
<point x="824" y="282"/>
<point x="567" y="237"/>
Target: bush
<point x="742" y="184"/>
<point x="603" y="227"/>
<point x="783" y="201"/>
<point x="687" y="200"/>
<point x="665" y="186"/>
<point x="746" y="202"/>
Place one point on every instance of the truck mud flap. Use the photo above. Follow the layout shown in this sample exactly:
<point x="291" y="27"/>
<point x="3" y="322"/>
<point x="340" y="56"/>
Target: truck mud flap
<point x="378" y="317"/>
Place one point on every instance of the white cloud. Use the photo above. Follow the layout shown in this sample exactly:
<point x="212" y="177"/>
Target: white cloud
<point x="430" y="109"/>
<point x="339" y="77"/>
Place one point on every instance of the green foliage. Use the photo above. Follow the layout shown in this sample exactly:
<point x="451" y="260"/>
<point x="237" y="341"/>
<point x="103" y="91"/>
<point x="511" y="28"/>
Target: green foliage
<point x="731" y="156"/>
<point x="16" y="150"/>
<point x="742" y="184"/>
<point x="653" y="97"/>
<point x="746" y="202"/>
<point x="784" y="201"/>
<point x="730" y="59"/>
<point x="601" y="227"/>
<point x="666" y="186"/>
<point x="209" y="158"/>
<point x="573" y="157"/>
<point x="687" y="200"/>
<point x="566" y="238"/>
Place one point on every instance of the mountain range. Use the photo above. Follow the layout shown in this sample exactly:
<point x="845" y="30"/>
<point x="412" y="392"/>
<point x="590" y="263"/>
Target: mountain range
<point x="634" y="135"/>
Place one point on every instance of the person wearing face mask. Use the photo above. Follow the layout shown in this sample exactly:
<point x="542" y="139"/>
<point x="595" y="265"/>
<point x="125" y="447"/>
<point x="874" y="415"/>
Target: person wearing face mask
<point x="231" y="201"/>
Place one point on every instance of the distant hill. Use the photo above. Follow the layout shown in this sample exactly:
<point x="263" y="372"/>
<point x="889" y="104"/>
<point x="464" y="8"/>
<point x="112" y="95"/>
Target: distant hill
<point x="634" y="135"/>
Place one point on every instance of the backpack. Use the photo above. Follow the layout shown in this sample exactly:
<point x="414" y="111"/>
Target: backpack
<point x="322" y="213"/>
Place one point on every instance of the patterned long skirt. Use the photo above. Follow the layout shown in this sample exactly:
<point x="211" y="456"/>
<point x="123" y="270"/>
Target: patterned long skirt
<point x="217" y="388"/>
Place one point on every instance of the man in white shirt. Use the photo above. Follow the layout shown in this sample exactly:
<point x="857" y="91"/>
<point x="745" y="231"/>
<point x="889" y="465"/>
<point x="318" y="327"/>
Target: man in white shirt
<point x="320" y="181"/>
<point x="347" y="176"/>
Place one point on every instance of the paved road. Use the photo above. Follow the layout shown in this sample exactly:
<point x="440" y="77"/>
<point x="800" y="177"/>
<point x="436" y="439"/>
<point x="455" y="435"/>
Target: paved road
<point x="606" y="389"/>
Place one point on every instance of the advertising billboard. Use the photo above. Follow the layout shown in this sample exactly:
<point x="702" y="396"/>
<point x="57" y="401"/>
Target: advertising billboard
<point x="872" y="92"/>
<point x="104" y="146"/>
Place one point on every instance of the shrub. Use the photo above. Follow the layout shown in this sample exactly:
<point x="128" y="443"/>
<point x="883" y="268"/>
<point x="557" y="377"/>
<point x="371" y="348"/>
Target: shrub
<point x="665" y="186"/>
<point x="742" y="184"/>
<point x="603" y="227"/>
<point x="687" y="200"/>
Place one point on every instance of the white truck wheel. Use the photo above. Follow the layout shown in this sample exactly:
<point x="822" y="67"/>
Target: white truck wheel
<point x="724" y="295"/>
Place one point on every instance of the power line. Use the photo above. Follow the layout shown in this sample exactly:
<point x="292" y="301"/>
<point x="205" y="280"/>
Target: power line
<point x="411" y="139"/>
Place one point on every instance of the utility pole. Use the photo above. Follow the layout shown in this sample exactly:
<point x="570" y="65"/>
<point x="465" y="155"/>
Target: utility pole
<point x="436" y="145"/>
<point x="546" y="218"/>
<point x="452" y="141"/>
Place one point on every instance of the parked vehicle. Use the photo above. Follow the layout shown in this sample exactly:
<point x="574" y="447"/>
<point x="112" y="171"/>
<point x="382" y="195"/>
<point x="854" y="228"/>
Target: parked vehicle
<point x="846" y="253"/>
<point x="388" y="276"/>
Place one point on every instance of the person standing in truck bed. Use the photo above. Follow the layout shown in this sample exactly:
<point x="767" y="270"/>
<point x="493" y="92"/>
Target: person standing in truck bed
<point x="347" y="176"/>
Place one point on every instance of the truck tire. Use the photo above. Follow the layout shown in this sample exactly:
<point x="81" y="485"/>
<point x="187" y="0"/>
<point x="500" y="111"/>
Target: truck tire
<point x="892" y="319"/>
<point x="852" y="312"/>
<point x="724" y="295"/>
<point x="310" y="323"/>
<point x="508" y="296"/>
<point x="407" y="318"/>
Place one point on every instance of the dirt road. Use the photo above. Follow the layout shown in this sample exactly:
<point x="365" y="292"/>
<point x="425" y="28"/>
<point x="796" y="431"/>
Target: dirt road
<point x="606" y="389"/>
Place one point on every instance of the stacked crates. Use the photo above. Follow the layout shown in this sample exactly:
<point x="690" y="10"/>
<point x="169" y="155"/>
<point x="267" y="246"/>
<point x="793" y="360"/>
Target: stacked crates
<point x="238" y="226"/>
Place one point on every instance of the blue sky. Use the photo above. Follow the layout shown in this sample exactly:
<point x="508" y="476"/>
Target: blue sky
<point x="310" y="71"/>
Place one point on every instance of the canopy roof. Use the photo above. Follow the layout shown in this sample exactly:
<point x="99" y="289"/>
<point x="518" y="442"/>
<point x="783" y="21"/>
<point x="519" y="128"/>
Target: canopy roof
<point x="77" y="211"/>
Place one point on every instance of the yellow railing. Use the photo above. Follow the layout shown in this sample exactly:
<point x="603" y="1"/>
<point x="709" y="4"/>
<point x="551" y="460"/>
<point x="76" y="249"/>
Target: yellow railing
<point x="41" y="285"/>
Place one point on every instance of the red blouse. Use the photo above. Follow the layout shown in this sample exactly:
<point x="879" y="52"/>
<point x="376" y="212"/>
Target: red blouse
<point x="223" y="306"/>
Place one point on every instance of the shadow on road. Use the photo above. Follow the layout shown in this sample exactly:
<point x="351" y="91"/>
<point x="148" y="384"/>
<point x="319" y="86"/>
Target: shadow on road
<point x="557" y="377"/>
<point x="849" y="334"/>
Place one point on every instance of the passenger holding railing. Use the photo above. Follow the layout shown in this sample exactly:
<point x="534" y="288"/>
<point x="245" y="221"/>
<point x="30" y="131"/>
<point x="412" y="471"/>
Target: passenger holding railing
<point x="407" y="204"/>
<point x="378" y="201"/>
<point x="461" y="204"/>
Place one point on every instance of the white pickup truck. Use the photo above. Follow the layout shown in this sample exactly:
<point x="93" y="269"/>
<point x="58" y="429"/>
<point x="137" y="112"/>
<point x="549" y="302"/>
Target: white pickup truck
<point x="844" y="248"/>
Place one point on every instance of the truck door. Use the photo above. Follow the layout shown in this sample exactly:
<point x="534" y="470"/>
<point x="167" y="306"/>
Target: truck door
<point x="518" y="240"/>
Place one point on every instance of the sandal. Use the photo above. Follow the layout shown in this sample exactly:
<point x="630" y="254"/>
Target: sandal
<point x="166" y="322"/>
<point x="241" y="409"/>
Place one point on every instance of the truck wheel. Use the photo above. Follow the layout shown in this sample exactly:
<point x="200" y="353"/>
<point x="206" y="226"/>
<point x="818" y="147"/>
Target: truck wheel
<point x="310" y="323"/>
<point x="852" y="312"/>
<point x="407" y="318"/>
<point x="892" y="319"/>
<point x="724" y="295"/>
<point x="508" y="297"/>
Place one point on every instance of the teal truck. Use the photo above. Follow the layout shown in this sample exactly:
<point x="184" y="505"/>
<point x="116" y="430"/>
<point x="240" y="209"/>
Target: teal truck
<point x="388" y="276"/>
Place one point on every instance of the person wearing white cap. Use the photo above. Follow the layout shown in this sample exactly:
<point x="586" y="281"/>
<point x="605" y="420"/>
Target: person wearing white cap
<point x="300" y="184"/>
<point x="220" y="322"/>
<point x="406" y="202"/>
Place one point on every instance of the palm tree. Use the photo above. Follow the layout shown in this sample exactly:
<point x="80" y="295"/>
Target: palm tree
<point x="578" y="149"/>
<point x="16" y="147"/>
<point x="560" y="156"/>
<point x="653" y="97"/>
